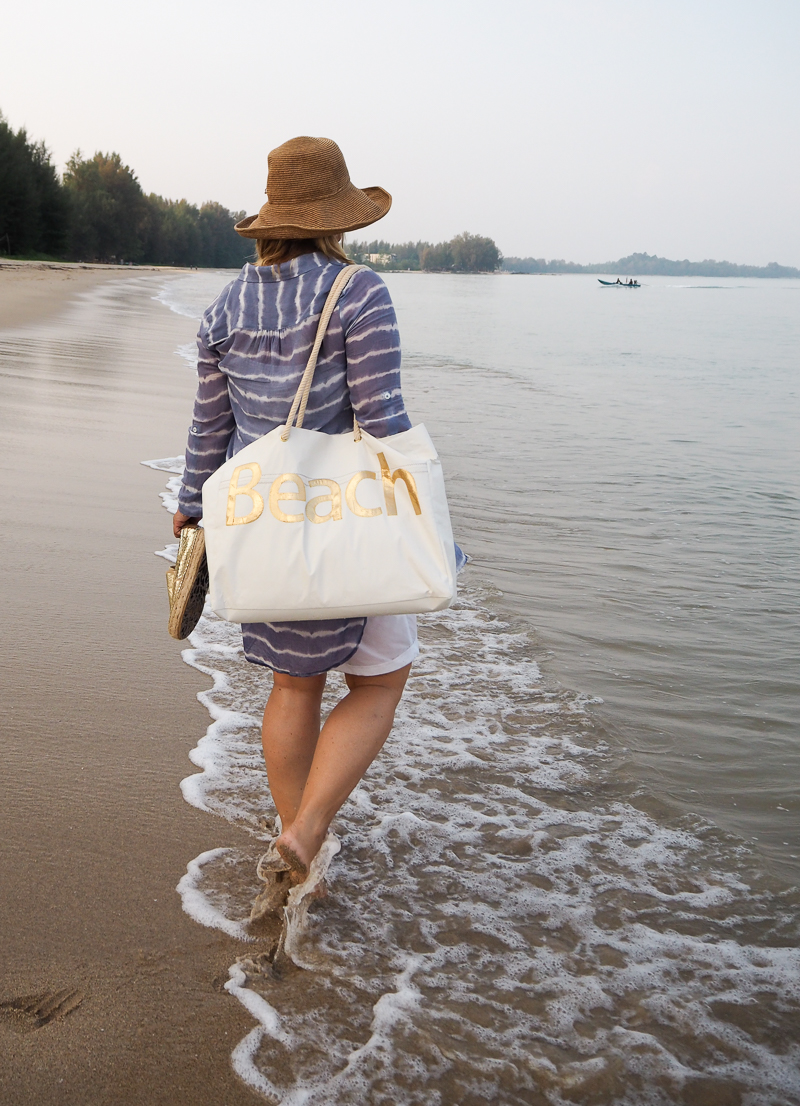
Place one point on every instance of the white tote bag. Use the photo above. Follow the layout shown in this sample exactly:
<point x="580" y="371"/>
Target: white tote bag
<point x="305" y="525"/>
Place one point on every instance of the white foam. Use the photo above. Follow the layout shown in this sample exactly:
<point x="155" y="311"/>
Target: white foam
<point x="261" y="1010"/>
<point x="170" y="497"/>
<point x="170" y="295"/>
<point x="198" y="906"/>
<point x="243" y="1057"/>
<point x="391" y="1009"/>
<point x="190" y="295"/>
<point x="167" y="464"/>
<point x="188" y="353"/>
<point x="169" y="552"/>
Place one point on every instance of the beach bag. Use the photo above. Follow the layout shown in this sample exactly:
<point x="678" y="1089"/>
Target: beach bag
<point x="303" y="525"/>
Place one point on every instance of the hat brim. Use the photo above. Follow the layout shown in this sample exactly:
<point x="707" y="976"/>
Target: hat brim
<point x="350" y="209"/>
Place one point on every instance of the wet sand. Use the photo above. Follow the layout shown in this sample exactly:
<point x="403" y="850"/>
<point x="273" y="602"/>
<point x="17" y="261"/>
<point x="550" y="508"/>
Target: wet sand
<point x="99" y="712"/>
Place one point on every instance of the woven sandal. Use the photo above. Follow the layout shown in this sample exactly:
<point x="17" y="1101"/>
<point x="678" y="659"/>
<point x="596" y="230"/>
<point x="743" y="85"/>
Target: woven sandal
<point x="187" y="583"/>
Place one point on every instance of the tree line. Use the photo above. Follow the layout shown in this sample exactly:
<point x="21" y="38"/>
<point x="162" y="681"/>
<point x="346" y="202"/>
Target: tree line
<point x="466" y="253"/>
<point x="644" y="264"/>
<point x="98" y="211"/>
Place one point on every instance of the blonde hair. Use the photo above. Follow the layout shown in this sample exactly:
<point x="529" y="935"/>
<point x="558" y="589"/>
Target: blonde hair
<point x="274" y="251"/>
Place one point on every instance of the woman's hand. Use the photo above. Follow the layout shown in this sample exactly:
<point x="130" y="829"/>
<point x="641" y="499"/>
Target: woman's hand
<point x="179" y="520"/>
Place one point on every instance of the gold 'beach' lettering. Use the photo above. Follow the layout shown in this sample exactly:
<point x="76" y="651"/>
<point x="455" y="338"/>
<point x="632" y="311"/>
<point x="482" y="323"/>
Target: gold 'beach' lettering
<point x="249" y="489"/>
<point x="352" y="498"/>
<point x="276" y="495"/>
<point x="335" y="500"/>
<point x="334" y="496"/>
<point x="389" y="481"/>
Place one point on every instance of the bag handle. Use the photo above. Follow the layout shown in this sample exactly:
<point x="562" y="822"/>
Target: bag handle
<point x="300" y="400"/>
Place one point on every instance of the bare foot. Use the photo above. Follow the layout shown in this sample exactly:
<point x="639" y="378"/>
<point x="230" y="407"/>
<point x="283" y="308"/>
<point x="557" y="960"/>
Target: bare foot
<point x="288" y="848"/>
<point x="298" y="852"/>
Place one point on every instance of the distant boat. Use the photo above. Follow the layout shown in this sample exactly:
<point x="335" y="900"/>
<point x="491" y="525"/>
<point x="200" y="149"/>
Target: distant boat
<point x="619" y="284"/>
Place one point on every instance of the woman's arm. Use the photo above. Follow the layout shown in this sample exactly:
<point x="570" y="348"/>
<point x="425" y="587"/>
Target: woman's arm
<point x="372" y="345"/>
<point x="212" y="427"/>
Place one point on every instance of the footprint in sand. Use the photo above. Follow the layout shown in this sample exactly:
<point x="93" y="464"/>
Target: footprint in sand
<point x="35" y="1011"/>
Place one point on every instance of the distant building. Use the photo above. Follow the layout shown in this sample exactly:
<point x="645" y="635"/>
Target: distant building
<point x="381" y="258"/>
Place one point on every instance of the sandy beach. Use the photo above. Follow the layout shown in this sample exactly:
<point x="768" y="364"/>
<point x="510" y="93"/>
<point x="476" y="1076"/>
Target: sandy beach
<point x="99" y="710"/>
<point x="32" y="291"/>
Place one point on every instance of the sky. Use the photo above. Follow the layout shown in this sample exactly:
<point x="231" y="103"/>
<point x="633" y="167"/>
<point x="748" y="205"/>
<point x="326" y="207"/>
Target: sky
<point x="559" y="128"/>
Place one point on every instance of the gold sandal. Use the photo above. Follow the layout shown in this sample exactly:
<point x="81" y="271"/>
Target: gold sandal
<point x="187" y="583"/>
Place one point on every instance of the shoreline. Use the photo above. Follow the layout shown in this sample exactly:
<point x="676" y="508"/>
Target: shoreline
<point x="33" y="291"/>
<point x="101" y="714"/>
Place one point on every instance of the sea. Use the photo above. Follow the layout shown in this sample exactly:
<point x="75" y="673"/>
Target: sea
<point x="572" y="874"/>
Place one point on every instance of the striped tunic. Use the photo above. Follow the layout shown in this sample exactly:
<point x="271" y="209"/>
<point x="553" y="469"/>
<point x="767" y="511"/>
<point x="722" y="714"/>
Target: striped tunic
<point x="253" y="345"/>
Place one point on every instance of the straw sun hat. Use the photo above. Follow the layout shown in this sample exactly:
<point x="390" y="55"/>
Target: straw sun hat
<point x="309" y="194"/>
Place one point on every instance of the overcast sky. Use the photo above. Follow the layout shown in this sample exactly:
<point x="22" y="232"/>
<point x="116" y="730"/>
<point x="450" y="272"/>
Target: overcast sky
<point x="561" y="128"/>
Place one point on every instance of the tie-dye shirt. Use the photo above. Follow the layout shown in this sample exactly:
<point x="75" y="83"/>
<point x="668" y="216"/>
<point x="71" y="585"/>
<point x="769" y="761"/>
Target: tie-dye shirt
<point x="253" y="346"/>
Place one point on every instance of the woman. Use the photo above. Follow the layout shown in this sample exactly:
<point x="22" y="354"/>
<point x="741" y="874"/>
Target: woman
<point x="253" y="344"/>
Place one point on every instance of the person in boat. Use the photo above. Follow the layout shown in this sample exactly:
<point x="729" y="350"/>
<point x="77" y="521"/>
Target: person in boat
<point x="619" y="281"/>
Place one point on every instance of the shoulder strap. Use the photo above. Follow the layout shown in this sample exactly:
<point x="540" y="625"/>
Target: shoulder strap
<point x="301" y="396"/>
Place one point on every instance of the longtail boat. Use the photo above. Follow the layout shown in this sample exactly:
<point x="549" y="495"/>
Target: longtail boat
<point x="619" y="284"/>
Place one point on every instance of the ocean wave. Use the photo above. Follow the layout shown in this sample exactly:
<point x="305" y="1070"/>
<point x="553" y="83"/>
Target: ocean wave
<point x="190" y="295"/>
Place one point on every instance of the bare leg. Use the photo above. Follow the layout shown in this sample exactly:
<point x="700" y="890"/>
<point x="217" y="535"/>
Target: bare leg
<point x="289" y="737"/>
<point x="350" y="740"/>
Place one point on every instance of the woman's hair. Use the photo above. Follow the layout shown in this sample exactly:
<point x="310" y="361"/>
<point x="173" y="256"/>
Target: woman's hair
<point x="273" y="251"/>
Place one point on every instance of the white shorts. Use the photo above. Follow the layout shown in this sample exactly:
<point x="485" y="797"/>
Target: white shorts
<point x="389" y="642"/>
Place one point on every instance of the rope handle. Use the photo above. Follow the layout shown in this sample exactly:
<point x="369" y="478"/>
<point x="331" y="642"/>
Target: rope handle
<point x="300" y="400"/>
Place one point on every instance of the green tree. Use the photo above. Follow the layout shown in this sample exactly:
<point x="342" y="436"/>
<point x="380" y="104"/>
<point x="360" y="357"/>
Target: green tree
<point x="178" y="233"/>
<point x="466" y="253"/>
<point x="99" y="212"/>
<point x="437" y="257"/>
<point x="473" y="254"/>
<point x="222" y="247"/>
<point x="34" y="210"/>
<point x="110" y="213"/>
<point x="173" y="233"/>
